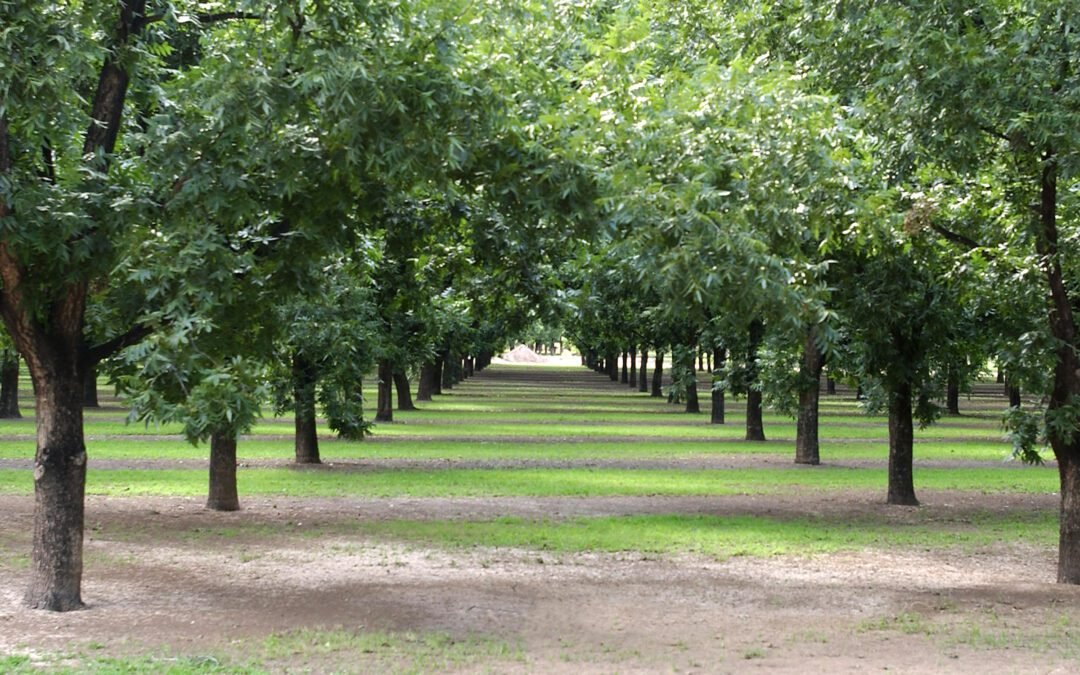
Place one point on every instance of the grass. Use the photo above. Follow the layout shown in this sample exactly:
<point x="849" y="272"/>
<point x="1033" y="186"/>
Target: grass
<point x="720" y="536"/>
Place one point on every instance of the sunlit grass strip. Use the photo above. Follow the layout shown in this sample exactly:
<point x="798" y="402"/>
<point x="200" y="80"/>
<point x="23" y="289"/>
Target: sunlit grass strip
<point x="718" y="536"/>
<point x="545" y="482"/>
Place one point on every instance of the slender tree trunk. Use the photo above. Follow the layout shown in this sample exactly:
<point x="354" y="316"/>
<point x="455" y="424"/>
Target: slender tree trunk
<point x="59" y="487"/>
<point x="755" y="426"/>
<point x="830" y="386"/>
<point x="643" y="372"/>
<point x="437" y="374"/>
<point x="223" y="495"/>
<point x="807" y="449"/>
<point x="404" y="394"/>
<point x="692" y="404"/>
<point x="90" y="397"/>
<point x="901" y="447"/>
<point x="447" y="378"/>
<point x="657" y="389"/>
<point x="625" y="377"/>
<point x="425" y="387"/>
<point x="719" y="355"/>
<point x="9" y="385"/>
<point x="633" y="381"/>
<point x="952" y="392"/>
<point x="385" y="410"/>
<point x="307" y="437"/>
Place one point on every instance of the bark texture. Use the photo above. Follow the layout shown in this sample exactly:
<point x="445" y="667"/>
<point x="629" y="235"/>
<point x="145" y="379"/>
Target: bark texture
<point x="755" y="425"/>
<point x="307" y="437"/>
<point x="404" y="393"/>
<point x="807" y="448"/>
<point x="223" y="495"/>
<point x="385" y="409"/>
<point x="718" y="404"/>
<point x="901" y="447"/>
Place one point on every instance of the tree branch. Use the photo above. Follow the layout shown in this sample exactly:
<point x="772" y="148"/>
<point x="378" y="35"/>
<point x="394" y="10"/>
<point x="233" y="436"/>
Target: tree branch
<point x="213" y="17"/>
<point x="134" y="335"/>
<point x="955" y="237"/>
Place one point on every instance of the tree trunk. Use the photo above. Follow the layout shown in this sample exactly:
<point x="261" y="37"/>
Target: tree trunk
<point x="59" y="487"/>
<point x="658" y="376"/>
<point x="901" y="448"/>
<point x="223" y="495"/>
<point x="719" y="355"/>
<point x="755" y="426"/>
<point x="437" y="374"/>
<point x="807" y="449"/>
<point x="385" y="410"/>
<point x="633" y="381"/>
<point x="643" y="372"/>
<point x="692" y="404"/>
<point x="307" y="437"/>
<point x="9" y="385"/>
<point x="425" y="387"/>
<point x="90" y="397"/>
<point x="447" y="379"/>
<point x="613" y="366"/>
<point x="830" y="386"/>
<point x="952" y="392"/>
<point x="1066" y="377"/>
<point x="625" y="377"/>
<point x="404" y="394"/>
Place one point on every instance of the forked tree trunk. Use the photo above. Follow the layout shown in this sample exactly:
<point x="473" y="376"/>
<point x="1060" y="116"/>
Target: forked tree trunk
<point x="426" y="386"/>
<point x="9" y="386"/>
<point x="807" y="449"/>
<point x="59" y="486"/>
<point x="307" y="437"/>
<point x="901" y="448"/>
<point x="755" y="426"/>
<point x="404" y="394"/>
<point x="643" y="372"/>
<point x="222" y="494"/>
<point x="633" y="381"/>
<point x="90" y="397"/>
<point x="385" y="409"/>
<point x="718" y="412"/>
<point x="952" y="392"/>
<point x="657" y="390"/>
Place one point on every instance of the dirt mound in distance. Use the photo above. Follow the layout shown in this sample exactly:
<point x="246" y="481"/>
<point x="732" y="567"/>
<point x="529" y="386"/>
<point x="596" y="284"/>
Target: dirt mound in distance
<point x="522" y="354"/>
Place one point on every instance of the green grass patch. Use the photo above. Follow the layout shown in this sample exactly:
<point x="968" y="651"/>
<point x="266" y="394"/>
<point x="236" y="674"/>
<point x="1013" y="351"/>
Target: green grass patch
<point x="722" y="536"/>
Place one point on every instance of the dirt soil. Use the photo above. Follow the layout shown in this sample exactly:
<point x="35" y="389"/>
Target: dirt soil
<point x="165" y="575"/>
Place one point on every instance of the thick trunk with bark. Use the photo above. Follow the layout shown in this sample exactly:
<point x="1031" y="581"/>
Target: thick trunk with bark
<point x="901" y="447"/>
<point x="223" y="494"/>
<point x="1066" y="377"/>
<point x="385" y="410"/>
<point x="718" y="405"/>
<point x="426" y="386"/>
<point x="404" y="394"/>
<point x="807" y="449"/>
<point x="59" y="487"/>
<point x="9" y="386"/>
<point x="307" y="437"/>
<point x="643" y="372"/>
<point x="658" y="376"/>
<point x="755" y="426"/>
